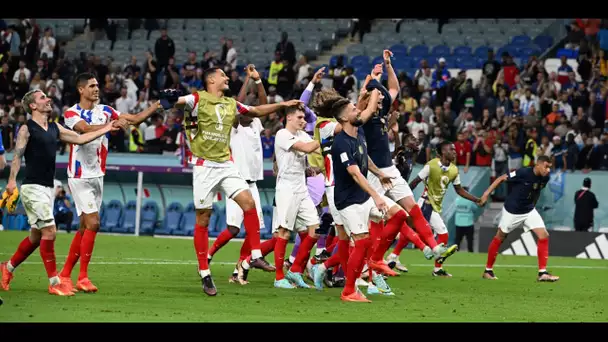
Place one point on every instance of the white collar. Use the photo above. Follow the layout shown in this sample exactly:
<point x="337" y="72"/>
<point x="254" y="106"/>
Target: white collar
<point x="585" y="189"/>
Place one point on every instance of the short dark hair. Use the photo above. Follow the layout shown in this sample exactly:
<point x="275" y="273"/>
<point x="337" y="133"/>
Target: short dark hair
<point x="83" y="78"/>
<point x="442" y="145"/>
<point x="543" y="158"/>
<point x="208" y="73"/>
<point x="587" y="182"/>
<point x="292" y="109"/>
<point x="332" y="107"/>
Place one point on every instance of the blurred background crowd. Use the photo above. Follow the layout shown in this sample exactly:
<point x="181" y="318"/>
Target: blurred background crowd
<point x="513" y="112"/>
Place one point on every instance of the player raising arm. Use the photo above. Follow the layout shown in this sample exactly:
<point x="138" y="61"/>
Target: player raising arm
<point x="437" y="174"/>
<point x="211" y="116"/>
<point x="36" y="141"/>
<point x="86" y="170"/>
<point x="519" y="212"/>
<point x="355" y="200"/>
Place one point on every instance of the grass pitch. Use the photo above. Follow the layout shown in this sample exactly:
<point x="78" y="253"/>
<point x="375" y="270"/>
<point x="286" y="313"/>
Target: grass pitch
<point x="149" y="279"/>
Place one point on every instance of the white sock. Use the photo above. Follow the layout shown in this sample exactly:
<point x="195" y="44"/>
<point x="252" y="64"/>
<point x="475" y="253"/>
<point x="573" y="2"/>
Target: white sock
<point x="209" y="256"/>
<point x="235" y="271"/>
<point x="255" y="254"/>
<point x="319" y="251"/>
<point x="245" y="264"/>
<point x="437" y="269"/>
<point x="488" y="269"/>
<point x="292" y="259"/>
<point x="543" y="270"/>
<point x="204" y="273"/>
<point x="393" y="256"/>
<point x="54" y="280"/>
<point x="321" y="267"/>
<point x="10" y="267"/>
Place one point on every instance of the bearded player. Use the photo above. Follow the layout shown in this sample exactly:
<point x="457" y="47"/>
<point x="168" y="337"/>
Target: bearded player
<point x="519" y="212"/>
<point x="437" y="174"/>
<point x="86" y="169"/>
<point x="212" y="115"/>
<point x="37" y="141"/>
<point x="246" y="150"/>
<point x="376" y="136"/>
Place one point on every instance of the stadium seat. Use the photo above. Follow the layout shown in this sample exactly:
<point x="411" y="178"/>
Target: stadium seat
<point x="419" y="50"/>
<point x="399" y="50"/>
<point x="544" y="42"/>
<point x="128" y="221"/>
<point x="360" y="60"/>
<point x="149" y="216"/>
<point x="171" y="222"/>
<point x="113" y="215"/>
<point x="462" y="51"/>
<point x="441" y="50"/>
<point x="334" y="59"/>
<point x="521" y="40"/>
<point x="188" y="219"/>
<point x="482" y="52"/>
<point x="567" y="52"/>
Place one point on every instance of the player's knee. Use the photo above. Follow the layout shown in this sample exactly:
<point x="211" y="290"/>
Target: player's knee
<point x="361" y="236"/>
<point x="35" y="236"/>
<point x="91" y="222"/>
<point x="541" y="233"/>
<point x="48" y="233"/>
<point x="203" y="216"/>
<point x="500" y="235"/>
<point x="408" y="203"/>
<point x="283" y="233"/>
<point x="342" y="235"/>
<point x="313" y="232"/>
<point x="245" y="200"/>
<point x="234" y="231"/>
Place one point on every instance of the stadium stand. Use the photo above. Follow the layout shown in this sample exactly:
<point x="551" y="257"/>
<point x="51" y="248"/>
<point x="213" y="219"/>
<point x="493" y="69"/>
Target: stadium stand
<point x="462" y="43"/>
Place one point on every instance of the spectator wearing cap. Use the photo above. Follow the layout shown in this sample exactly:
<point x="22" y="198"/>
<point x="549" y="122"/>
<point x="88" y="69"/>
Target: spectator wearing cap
<point x="559" y="153"/>
<point x="441" y="77"/>
<point x="584" y="204"/>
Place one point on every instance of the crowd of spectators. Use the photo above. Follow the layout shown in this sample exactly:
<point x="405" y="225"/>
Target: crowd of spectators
<point x="506" y="120"/>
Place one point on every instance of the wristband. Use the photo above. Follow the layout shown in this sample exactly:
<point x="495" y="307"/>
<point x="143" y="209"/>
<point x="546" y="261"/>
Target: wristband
<point x="258" y="81"/>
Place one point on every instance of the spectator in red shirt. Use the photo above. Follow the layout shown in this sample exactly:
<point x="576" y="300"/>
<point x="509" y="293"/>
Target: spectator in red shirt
<point x="483" y="149"/>
<point x="509" y="70"/>
<point x="463" y="151"/>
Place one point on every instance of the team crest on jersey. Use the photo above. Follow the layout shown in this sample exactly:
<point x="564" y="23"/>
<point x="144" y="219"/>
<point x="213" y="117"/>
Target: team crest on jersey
<point x="535" y="186"/>
<point x="360" y="149"/>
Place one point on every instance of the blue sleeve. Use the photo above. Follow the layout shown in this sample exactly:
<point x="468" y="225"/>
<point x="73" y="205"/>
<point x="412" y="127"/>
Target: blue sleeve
<point x="1" y="145"/>
<point x="341" y="152"/>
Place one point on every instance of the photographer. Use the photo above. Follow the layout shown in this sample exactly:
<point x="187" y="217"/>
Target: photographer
<point x="62" y="211"/>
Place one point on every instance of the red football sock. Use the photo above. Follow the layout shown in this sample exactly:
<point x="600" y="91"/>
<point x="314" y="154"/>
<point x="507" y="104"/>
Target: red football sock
<point x="201" y="245"/>
<point x="493" y="252"/>
<point x="268" y="246"/>
<point x="252" y="228"/>
<point x="401" y="243"/>
<point x="73" y="256"/>
<point x="329" y="240"/>
<point x="422" y="226"/>
<point x="279" y="256"/>
<point x="47" y="252"/>
<point x="26" y="247"/>
<point x="333" y="260"/>
<point x="367" y="259"/>
<point x="343" y="251"/>
<point x="222" y="239"/>
<point x="86" y="249"/>
<point x="441" y="238"/>
<point x="355" y="264"/>
<point x="331" y="246"/>
<point x="381" y="245"/>
<point x="542" y="251"/>
<point x="245" y="250"/>
<point x="303" y="254"/>
<point x="375" y="230"/>
<point x="408" y="234"/>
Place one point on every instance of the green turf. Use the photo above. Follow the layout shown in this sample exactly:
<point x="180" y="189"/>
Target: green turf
<point x="152" y="279"/>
